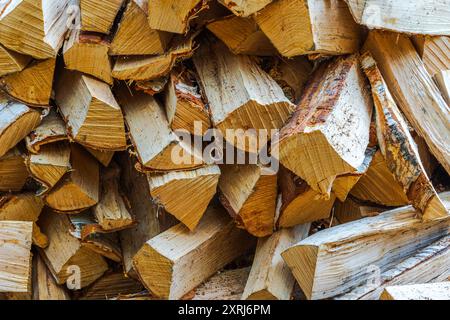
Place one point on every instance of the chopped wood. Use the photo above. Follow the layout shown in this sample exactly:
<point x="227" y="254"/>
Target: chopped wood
<point x="16" y="122"/>
<point x="242" y="36"/>
<point x="164" y="263"/>
<point x="99" y="16"/>
<point x="11" y="62"/>
<point x="93" y="117"/>
<point x="245" y="8"/>
<point x="88" y="53"/>
<point x="424" y="17"/>
<point x="110" y="286"/>
<point x="394" y="235"/>
<point x="405" y="75"/>
<point x="13" y="171"/>
<point x="353" y="209"/>
<point x="185" y="194"/>
<point x="427" y="291"/>
<point x="35" y="28"/>
<point x="442" y="80"/>
<point x="80" y="189"/>
<point x="134" y="36"/>
<point x="104" y="157"/>
<point x="309" y="27"/>
<point x="270" y="277"/>
<point x="249" y="194"/>
<point x="434" y="51"/>
<point x="44" y="285"/>
<point x="152" y="87"/>
<point x="330" y="125"/>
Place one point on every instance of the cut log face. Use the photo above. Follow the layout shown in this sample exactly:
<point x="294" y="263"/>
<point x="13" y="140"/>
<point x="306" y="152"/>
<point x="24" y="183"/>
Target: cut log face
<point x="353" y="209"/>
<point x="92" y="115"/>
<point x="13" y="171"/>
<point x="65" y="256"/>
<point x="99" y="16"/>
<point x="110" y="286"/>
<point x="394" y="236"/>
<point x="240" y="94"/>
<point x="250" y="197"/>
<point x="164" y="263"/>
<point x="245" y="8"/>
<point x="88" y="53"/>
<point x="43" y="33"/>
<point x="11" y="62"/>
<point x="270" y="277"/>
<point x="330" y="126"/>
<point x="185" y="194"/>
<point x="134" y="36"/>
<point x="405" y="75"/>
<point x="309" y="27"/>
<point x="33" y="85"/>
<point x="299" y="203"/>
<point x="172" y="15"/>
<point x="427" y="291"/>
<point x="434" y="51"/>
<point x="104" y="157"/>
<point x="16" y="122"/>
<point x="242" y="36"/>
<point x="399" y="149"/>
<point x="80" y="189"/>
<point x="430" y="19"/>
<point x="442" y="79"/>
<point x="184" y="105"/>
<point x="44" y="285"/>
<point x="15" y="264"/>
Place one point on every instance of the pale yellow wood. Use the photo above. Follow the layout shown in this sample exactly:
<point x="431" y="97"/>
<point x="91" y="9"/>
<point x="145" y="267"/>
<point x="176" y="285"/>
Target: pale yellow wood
<point x="442" y="79"/>
<point x="98" y="16"/>
<point x="13" y="171"/>
<point x="21" y="207"/>
<point x="245" y="8"/>
<point x="11" y="61"/>
<point x="434" y="51"/>
<point x="427" y="291"/>
<point x="44" y="285"/>
<point x="104" y="157"/>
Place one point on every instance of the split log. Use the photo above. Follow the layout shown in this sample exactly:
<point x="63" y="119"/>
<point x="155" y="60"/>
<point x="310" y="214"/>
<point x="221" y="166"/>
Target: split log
<point x="405" y="75"/>
<point x="299" y="203"/>
<point x="249" y="195"/>
<point x="99" y="16"/>
<point x="330" y="126"/>
<point x="434" y="51"/>
<point x="353" y="209"/>
<point x="151" y="67"/>
<point x="92" y="115"/>
<point x="424" y="17"/>
<point x="49" y="165"/>
<point x="184" y="105"/>
<point x="51" y="129"/>
<point x="104" y="157"/>
<point x="13" y="171"/>
<point x="309" y="27"/>
<point x="380" y="241"/>
<point x="164" y="263"/>
<point x="111" y="212"/>
<point x="428" y="291"/>
<point x="245" y="8"/>
<point x="134" y="35"/>
<point x="442" y="79"/>
<point x="16" y="122"/>
<point x="67" y="259"/>
<point x="185" y="194"/>
<point x="399" y="149"/>
<point x="240" y="94"/>
<point x="110" y="286"/>
<point x="35" y="28"/>
<point x="427" y="265"/>
<point x="242" y="36"/>
<point x="154" y="142"/>
<point x="88" y="53"/>
<point x="11" y="62"/>
<point x="44" y="285"/>
<point x="80" y="189"/>
<point x="15" y="262"/>
<point x="172" y="15"/>
<point x="270" y="277"/>
<point x="152" y="87"/>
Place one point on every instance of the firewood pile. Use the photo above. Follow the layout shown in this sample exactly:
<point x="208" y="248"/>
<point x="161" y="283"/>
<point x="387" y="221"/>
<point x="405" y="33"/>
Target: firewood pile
<point x="203" y="149"/>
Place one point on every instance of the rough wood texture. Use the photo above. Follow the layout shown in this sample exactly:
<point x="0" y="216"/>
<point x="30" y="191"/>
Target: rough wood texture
<point x="16" y="122"/>
<point x="399" y="149"/>
<point x="110" y="286"/>
<point x="245" y="8"/>
<point x="353" y="209"/>
<point x="92" y="115"/>
<point x="32" y="27"/>
<point x="44" y="285"/>
<point x="164" y="263"/>
<point x="406" y="75"/>
<point x="11" y="62"/>
<point x="330" y="126"/>
<point x="270" y="277"/>
<point x="442" y="80"/>
<point x="428" y="291"/>
<point x="98" y="16"/>
<point x="104" y="157"/>
<point x="424" y="17"/>
<point x="185" y="194"/>
<point x="134" y="35"/>
<point x="13" y="171"/>
<point x="249" y="194"/>
<point x="309" y="26"/>
<point x="51" y="129"/>
<point x="434" y="51"/>
<point x="382" y="241"/>
<point x="254" y="101"/>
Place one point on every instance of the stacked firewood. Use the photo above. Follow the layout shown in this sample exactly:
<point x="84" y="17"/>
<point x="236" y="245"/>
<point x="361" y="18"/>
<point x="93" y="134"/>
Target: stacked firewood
<point x="112" y="185"/>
